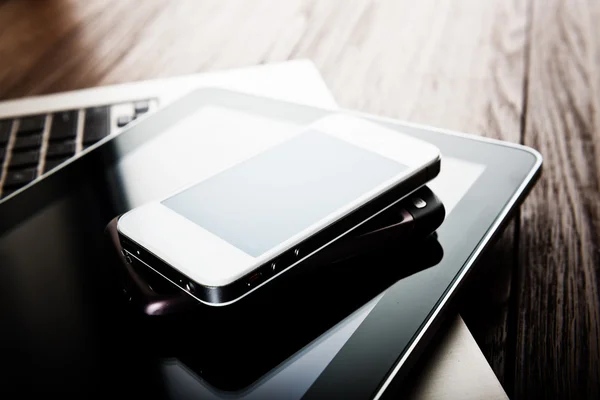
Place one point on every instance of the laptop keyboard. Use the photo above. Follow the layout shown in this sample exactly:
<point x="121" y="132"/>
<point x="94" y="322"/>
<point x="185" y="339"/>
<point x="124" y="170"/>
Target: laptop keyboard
<point x="32" y="145"/>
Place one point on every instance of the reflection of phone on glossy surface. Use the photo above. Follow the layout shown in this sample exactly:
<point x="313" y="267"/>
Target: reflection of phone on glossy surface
<point x="233" y="348"/>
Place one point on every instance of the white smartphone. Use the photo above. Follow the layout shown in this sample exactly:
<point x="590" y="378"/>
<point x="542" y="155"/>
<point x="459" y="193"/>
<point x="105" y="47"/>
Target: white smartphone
<point x="229" y="234"/>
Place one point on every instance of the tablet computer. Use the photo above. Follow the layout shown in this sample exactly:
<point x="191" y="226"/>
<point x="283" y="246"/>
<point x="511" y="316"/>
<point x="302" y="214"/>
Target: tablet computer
<point x="343" y="343"/>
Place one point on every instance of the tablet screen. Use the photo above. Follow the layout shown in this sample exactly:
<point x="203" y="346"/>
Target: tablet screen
<point x="349" y="334"/>
<point x="297" y="373"/>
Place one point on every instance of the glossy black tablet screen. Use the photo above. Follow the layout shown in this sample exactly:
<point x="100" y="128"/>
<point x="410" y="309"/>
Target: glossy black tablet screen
<point x="343" y="335"/>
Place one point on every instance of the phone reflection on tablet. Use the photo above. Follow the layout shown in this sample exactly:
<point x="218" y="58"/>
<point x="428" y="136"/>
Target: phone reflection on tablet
<point x="239" y="348"/>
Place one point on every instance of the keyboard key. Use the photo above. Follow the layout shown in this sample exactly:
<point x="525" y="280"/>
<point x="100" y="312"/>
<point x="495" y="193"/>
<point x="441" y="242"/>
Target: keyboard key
<point x="32" y="124"/>
<point x="141" y="107"/>
<point x="96" y="125"/>
<point x="5" y="128"/>
<point x="24" y="159"/>
<point x="124" y="120"/>
<point x="61" y="149"/>
<point x="20" y="177"/>
<point x="28" y="142"/>
<point x="51" y="164"/>
<point x="64" y="125"/>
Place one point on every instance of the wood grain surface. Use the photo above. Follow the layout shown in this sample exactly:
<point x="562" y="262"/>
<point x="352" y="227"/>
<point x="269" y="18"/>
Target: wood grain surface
<point x="558" y="341"/>
<point x="523" y="71"/>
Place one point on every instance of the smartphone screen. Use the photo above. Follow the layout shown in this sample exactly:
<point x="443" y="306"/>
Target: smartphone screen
<point x="267" y="199"/>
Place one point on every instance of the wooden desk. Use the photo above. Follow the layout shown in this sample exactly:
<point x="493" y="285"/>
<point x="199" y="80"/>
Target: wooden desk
<point x="523" y="71"/>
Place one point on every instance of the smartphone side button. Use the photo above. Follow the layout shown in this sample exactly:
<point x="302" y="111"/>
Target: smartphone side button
<point x="190" y="287"/>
